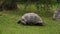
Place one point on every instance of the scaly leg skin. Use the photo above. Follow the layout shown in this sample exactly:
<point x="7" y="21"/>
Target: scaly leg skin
<point x="23" y="22"/>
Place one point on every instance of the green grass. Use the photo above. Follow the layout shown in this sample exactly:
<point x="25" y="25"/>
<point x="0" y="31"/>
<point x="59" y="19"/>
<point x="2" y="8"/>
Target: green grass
<point x="8" y="23"/>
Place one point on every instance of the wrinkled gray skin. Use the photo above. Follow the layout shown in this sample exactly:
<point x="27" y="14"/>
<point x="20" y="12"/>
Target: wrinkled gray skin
<point x="31" y="19"/>
<point x="56" y="14"/>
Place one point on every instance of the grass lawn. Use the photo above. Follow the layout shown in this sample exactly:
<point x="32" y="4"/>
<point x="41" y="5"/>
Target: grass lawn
<point x="8" y="25"/>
